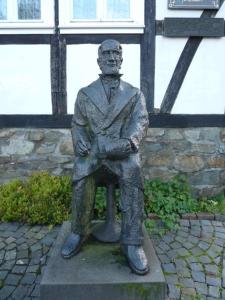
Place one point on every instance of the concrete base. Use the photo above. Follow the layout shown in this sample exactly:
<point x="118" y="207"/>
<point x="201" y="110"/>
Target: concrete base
<point x="100" y="272"/>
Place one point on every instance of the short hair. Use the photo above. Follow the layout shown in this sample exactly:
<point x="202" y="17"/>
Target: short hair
<point x="109" y="44"/>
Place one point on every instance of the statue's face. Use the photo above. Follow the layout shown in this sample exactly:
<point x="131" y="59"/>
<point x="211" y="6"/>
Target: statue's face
<point x="110" y="57"/>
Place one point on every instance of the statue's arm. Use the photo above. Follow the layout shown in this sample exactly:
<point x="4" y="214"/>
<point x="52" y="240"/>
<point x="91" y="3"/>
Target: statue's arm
<point x="80" y="136"/>
<point x="138" y="123"/>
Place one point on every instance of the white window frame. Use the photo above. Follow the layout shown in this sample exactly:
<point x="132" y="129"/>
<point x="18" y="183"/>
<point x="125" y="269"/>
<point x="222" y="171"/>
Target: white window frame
<point x="14" y="26"/>
<point x="101" y="25"/>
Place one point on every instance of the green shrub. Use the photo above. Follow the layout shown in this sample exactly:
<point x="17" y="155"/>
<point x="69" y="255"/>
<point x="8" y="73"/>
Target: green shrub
<point x="14" y="202"/>
<point x="168" y="200"/>
<point x="43" y="199"/>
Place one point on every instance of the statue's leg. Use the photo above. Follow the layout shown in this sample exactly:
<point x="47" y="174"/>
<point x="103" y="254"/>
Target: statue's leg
<point x="132" y="204"/>
<point x="82" y="205"/>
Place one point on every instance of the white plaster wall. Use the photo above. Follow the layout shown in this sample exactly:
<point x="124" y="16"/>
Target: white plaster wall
<point x="25" y="86"/>
<point x="82" y="68"/>
<point x="203" y="88"/>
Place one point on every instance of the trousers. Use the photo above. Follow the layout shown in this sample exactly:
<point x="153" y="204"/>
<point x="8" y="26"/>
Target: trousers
<point x="131" y="202"/>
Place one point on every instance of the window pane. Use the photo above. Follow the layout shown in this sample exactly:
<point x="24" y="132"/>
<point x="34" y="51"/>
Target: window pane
<point x="84" y="9"/>
<point x="29" y="9"/>
<point x="118" y="9"/>
<point x="3" y="9"/>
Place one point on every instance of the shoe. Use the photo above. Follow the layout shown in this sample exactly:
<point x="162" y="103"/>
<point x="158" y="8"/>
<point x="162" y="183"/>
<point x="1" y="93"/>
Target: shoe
<point x="136" y="259"/>
<point x="72" y="245"/>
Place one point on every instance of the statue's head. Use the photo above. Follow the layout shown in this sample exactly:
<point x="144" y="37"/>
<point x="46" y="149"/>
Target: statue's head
<point x="110" y="57"/>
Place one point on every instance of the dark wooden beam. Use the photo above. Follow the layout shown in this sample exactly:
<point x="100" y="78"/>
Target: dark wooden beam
<point x="182" y="67"/>
<point x="155" y="121"/>
<point x="99" y="38"/>
<point x="148" y="55"/>
<point x="58" y="69"/>
<point x="185" y="27"/>
<point x="24" y="39"/>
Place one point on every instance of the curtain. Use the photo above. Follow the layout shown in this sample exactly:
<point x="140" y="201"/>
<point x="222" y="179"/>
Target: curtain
<point x="84" y="9"/>
<point x="29" y="9"/>
<point x="3" y="9"/>
<point x="118" y="9"/>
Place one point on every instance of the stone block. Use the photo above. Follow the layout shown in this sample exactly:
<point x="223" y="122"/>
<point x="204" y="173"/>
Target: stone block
<point x="99" y="272"/>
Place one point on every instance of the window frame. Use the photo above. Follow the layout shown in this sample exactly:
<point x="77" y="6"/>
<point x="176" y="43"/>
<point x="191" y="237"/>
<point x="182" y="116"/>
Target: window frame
<point x="68" y="25"/>
<point x="45" y="25"/>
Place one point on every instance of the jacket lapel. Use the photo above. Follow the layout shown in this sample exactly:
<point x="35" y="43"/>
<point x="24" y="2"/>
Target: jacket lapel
<point x="96" y="94"/>
<point x="121" y="98"/>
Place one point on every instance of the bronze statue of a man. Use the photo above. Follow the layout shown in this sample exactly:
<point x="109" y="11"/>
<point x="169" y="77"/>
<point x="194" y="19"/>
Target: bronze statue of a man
<point x="109" y="122"/>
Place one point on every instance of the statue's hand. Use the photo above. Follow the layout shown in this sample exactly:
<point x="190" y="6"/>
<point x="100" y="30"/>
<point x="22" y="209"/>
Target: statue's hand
<point x="119" y="149"/>
<point x="83" y="148"/>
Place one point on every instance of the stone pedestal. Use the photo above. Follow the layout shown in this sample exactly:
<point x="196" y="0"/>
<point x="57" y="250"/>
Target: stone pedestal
<point x="100" y="272"/>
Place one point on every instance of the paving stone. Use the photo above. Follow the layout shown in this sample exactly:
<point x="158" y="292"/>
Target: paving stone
<point x="204" y="259"/>
<point x="219" y="242"/>
<point x="172" y="254"/>
<point x="187" y="282"/>
<point x="198" y="276"/>
<point x="192" y="259"/>
<point x="2" y="254"/>
<point x="196" y="251"/>
<point x="220" y="229"/>
<point x="220" y="235"/>
<point x="164" y="258"/>
<point x="212" y="253"/>
<point x="36" y="247"/>
<point x="3" y="274"/>
<point x="193" y="239"/>
<point x="36" y="291"/>
<point x="184" y="272"/>
<point x="205" y="222"/>
<point x="212" y="269"/>
<point x="164" y="246"/>
<point x="195" y="223"/>
<point x="172" y="279"/>
<point x="8" y="265"/>
<point x="22" y="247"/>
<point x="23" y="261"/>
<point x="19" y="269"/>
<point x="201" y="288"/>
<point x="203" y="245"/>
<point x="9" y="255"/>
<point x="183" y="252"/>
<point x="10" y="240"/>
<point x="208" y="228"/>
<point x="12" y="279"/>
<point x="33" y="269"/>
<point x="175" y="245"/>
<point x="185" y="223"/>
<point x="6" y="291"/>
<point x="20" y="241"/>
<point x="214" y="291"/>
<point x="173" y="291"/>
<point x="196" y="267"/>
<point x="28" y="278"/>
<point x="23" y="254"/>
<point x="47" y="241"/>
<point x="188" y="245"/>
<point x="2" y="245"/>
<point x="10" y="246"/>
<point x="188" y="291"/>
<point x="215" y="281"/>
<point x="217" y="223"/>
<point x="19" y="293"/>
<point x="180" y="239"/>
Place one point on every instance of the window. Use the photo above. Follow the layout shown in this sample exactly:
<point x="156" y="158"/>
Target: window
<point x="26" y="16"/>
<point x="101" y="16"/>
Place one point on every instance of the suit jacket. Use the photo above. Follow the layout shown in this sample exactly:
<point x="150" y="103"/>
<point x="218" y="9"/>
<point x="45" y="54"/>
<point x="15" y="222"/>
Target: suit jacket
<point x="99" y="122"/>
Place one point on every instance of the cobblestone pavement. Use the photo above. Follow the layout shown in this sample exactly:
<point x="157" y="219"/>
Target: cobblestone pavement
<point x="192" y="257"/>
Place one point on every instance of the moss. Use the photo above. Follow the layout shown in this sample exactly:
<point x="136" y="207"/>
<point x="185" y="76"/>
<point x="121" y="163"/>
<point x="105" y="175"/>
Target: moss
<point x="138" y="289"/>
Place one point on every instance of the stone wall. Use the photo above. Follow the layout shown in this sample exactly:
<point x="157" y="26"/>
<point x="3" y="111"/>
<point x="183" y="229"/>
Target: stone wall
<point x="197" y="152"/>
